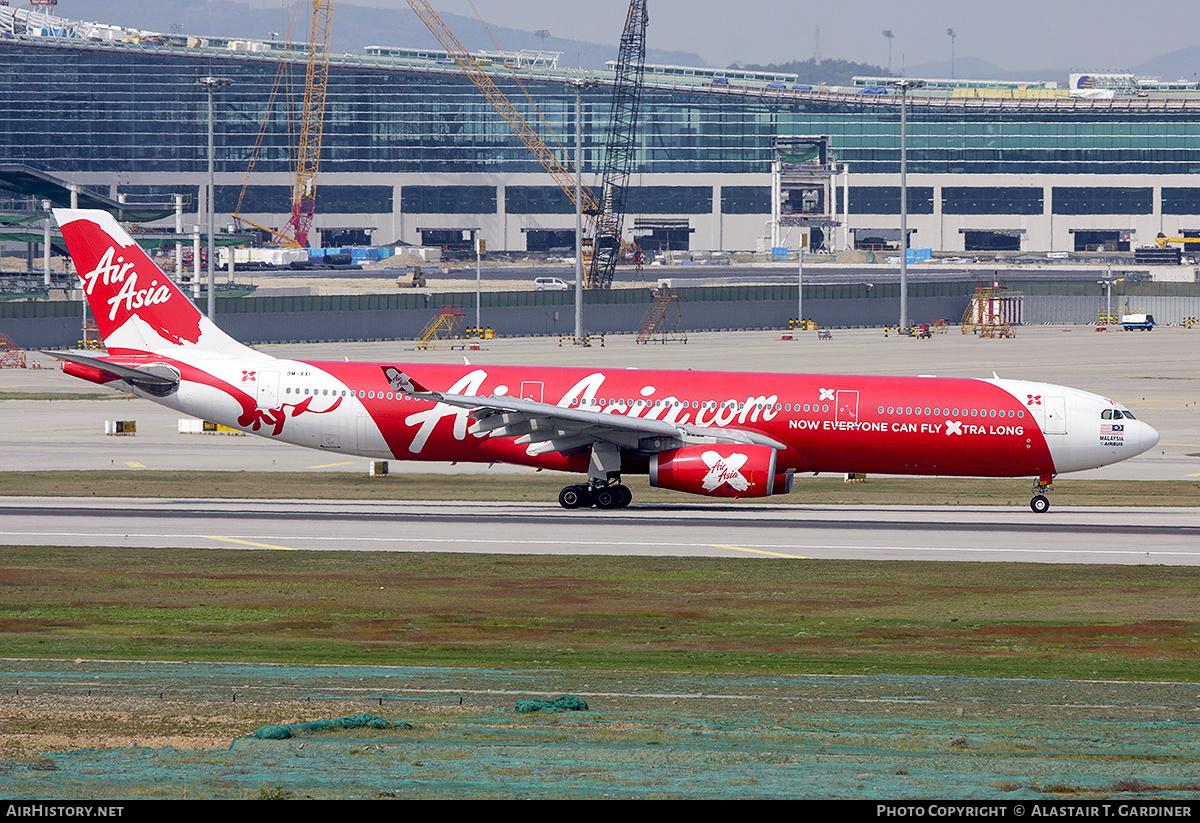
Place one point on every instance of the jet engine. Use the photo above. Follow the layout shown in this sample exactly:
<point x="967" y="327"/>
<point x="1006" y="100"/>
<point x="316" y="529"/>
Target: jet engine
<point x="718" y="470"/>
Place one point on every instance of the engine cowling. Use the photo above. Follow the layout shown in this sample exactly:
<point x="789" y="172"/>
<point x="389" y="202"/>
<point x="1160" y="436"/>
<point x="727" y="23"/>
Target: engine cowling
<point x="718" y="470"/>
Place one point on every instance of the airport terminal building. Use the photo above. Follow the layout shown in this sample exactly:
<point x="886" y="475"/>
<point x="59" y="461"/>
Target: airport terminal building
<point x="413" y="152"/>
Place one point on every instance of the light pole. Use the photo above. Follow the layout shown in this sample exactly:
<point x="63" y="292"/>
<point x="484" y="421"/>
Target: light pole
<point x="46" y="244"/>
<point x="579" y="84"/>
<point x="953" y="35"/>
<point x="888" y="34"/>
<point x="211" y="85"/>
<point x="1108" y="282"/>
<point x="800" y="291"/>
<point x="904" y="86"/>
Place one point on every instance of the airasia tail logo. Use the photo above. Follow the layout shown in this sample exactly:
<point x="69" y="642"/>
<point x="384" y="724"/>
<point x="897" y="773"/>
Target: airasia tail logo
<point x="723" y="470"/>
<point x="111" y="272"/>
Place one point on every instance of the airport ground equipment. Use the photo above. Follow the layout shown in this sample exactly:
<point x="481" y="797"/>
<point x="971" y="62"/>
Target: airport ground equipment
<point x="12" y="356"/>
<point x="664" y="319"/>
<point x="444" y="330"/>
<point x="1163" y="241"/>
<point x="992" y="312"/>
<point x="1137" y="322"/>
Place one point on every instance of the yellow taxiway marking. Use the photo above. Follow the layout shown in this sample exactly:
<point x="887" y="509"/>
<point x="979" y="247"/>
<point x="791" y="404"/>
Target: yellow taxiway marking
<point x="251" y="543"/>
<point x="133" y="464"/>
<point x="331" y="465"/>
<point x="760" y="551"/>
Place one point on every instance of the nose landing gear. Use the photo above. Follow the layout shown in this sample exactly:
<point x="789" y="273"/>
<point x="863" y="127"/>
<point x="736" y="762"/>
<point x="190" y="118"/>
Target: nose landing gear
<point x="1040" y="502"/>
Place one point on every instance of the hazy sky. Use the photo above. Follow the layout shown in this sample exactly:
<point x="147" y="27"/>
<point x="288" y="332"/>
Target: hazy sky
<point x="1094" y="35"/>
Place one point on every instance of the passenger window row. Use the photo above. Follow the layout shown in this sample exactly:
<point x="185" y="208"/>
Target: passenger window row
<point x="915" y="411"/>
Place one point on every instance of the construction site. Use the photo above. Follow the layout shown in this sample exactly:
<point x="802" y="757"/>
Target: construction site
<point x="509" y="161"/>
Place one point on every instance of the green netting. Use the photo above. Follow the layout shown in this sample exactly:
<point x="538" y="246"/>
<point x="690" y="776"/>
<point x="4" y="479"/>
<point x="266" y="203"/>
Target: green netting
<point x="562" y="703"/>
<point x="358" y="721"/>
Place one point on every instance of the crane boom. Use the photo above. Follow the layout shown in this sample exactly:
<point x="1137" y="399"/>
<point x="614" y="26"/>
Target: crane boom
<point x="312" y="123"/>
<point x="619" y="149"/>
<point x="561" y="174"/>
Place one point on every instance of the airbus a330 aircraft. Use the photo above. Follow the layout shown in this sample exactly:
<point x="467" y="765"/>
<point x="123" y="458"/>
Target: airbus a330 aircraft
<point x="708" y="433"/>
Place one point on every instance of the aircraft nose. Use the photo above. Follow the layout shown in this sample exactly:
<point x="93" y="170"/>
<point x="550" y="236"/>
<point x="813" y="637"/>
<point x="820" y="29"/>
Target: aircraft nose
<point x="1149" y="438"/>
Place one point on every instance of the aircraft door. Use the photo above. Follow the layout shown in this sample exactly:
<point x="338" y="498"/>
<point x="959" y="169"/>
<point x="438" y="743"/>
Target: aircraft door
<point x="268" y="390"/>
<point x="847" y="407"/>
<point x="532" y="390"/>
<point x="1056" y="415"/>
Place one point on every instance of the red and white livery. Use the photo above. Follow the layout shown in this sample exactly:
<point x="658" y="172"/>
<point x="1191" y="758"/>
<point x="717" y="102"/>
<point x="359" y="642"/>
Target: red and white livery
<point x="708" y="433"/>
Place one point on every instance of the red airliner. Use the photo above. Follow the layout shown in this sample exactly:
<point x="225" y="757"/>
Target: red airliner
<point x="718" y="434"/>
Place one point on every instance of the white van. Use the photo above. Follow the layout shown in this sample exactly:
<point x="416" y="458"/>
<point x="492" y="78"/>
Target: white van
<point x="550" y="284"/>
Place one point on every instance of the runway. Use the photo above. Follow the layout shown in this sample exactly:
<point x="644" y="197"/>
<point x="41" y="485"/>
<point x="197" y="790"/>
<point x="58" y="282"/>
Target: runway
<point x="1136" y="535"/>
<point x="1140" y="370"/>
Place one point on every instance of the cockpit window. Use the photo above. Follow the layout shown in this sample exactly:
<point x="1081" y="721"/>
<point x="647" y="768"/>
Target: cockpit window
<point x="1107" y="414"/>
<point x="1116" y="414"/>
<point x="1128" y="415"/>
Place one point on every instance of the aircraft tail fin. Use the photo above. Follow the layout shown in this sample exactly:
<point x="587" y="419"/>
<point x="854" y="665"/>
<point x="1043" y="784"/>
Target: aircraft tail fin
<point x="402" y="382"/>
<point x="136" y="306"/>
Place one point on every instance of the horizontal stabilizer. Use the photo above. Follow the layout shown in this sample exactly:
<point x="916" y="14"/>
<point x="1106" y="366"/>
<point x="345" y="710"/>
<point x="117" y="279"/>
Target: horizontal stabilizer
<point x="158" y="379"/>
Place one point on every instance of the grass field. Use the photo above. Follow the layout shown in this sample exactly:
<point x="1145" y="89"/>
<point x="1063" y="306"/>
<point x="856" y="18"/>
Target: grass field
<point x="701" y="615"/>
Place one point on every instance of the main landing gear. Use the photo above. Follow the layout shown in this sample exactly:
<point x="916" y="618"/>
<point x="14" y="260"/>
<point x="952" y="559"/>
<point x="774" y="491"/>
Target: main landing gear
<point x="1040" y="502"/>
<point x="604" y="489"/>
<point x="611" y="496"/>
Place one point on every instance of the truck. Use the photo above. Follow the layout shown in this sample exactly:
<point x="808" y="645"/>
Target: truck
<point x="1140" y="322"/>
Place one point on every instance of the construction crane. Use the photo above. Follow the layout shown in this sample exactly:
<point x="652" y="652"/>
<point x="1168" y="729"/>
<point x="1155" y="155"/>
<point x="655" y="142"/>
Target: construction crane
<point x="606" y="216"/>
<point x="312" y="121"/>
<point x="562" y="175"/>
<point x="619" y="148"/>
<point x="312" y="124"/>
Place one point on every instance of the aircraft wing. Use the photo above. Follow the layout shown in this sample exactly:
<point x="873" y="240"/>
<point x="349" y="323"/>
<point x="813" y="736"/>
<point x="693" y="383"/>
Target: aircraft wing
<point x="546" y="428"/>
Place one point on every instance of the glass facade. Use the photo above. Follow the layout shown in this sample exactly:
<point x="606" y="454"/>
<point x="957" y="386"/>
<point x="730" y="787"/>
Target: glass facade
<point x="67" y="107"/>
<point x="341" y="199"/>
<point x="448" y="199"/>
<point x="670" y="199"/>
<point x="1177" y="200"/>
<point x="1102" y="200"/>
<point x="412" y="148"/>
<point x="540" y="200"/>
<point x="745" y="200"/>
<point x="886" y="199"/>
<point x="992" y="200"/>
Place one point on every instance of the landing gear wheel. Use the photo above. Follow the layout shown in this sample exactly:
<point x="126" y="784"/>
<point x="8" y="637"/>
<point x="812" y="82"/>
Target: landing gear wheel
<point x="626" y="496"/>
<point x="608" y="497"/>
<point x="574" y="497"/>
<point x="1040" y="503"/>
